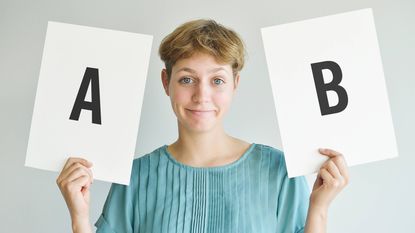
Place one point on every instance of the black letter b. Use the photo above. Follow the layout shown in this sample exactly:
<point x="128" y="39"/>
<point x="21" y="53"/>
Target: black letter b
<point x="322" y="87"/>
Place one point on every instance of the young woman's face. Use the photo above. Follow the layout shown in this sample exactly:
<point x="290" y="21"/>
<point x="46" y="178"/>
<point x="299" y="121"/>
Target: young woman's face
<point x="200" y="91"/>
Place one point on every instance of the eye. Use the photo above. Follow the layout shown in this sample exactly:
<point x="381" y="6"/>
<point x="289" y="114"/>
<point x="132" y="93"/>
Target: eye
<point x="185" y="80"/>
<point x="218" y="81"/>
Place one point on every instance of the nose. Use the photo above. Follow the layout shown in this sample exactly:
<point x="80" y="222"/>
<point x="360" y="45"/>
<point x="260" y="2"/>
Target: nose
<point x="202" y="93"/>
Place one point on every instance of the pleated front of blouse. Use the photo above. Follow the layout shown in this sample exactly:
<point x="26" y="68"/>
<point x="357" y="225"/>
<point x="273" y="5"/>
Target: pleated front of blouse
<point x="252" y="194"/>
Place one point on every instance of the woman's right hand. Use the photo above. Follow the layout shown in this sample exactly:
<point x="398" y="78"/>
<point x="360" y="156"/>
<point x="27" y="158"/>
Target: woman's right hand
<point x="74" y="182"/>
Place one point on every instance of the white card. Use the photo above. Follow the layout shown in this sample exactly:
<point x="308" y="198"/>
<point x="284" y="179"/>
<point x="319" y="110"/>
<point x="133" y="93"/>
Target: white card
<point x="357" y="120"/>
<point x="117" y="64"/>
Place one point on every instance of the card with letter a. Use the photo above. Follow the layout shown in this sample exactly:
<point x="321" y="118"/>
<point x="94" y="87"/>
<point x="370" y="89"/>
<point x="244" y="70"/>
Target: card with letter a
<point x="88" y="100"/>
<point x="329" y="90"/>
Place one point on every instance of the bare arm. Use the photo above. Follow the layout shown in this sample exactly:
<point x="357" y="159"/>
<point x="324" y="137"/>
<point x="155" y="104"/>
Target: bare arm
<point x="331" y="179"/>
<point x="74" y="182"/>
<point x="81" y="226"/>
<point x="316" y="221"/>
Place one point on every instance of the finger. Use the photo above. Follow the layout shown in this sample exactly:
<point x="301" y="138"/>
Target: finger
<point x="81" y="182"/>
<point x="319" y="181"/>
<point x="83" y="171"/>
<point x="67" y="171"/>
<point x="69" y="163"/>
<point x="78" y="171"/>
<point x="72" y="164"/>
<point x="325" y="164"/>
<point x="338" y="159"/>
<point x="72" y="160"/>
<point x="342" y="166"/>
<point x="325" y="175"/>
<point x="329" y="152"/>
<point x="334" y="171"/>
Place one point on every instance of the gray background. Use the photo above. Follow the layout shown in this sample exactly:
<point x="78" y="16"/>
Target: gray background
<point x="380" y="195"/>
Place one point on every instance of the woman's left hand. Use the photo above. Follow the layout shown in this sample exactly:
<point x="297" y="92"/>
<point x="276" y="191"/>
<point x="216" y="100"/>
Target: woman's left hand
<point x="332" y="177"/>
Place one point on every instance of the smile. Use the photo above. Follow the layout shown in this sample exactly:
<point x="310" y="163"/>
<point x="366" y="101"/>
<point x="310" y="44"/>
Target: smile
<point x="201" y="112"/>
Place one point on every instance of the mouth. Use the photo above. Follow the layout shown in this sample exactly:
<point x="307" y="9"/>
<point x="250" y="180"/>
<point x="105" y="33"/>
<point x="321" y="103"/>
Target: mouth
<point x="201" y="112"/>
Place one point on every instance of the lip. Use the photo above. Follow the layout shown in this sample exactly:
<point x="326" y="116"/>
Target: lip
<point x="197" y="110"/>
<point x="200" y="112"/>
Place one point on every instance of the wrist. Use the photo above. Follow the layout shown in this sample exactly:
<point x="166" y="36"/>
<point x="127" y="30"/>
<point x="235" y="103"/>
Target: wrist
<point x="81" y="224"/>
<point x="318" y="211"/>
<point x="316" y="219"/>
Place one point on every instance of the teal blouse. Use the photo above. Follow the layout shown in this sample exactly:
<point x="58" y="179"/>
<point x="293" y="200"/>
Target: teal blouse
<point x="252" y="194"/>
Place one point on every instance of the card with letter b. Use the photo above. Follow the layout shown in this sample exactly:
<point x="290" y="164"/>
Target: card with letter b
<point x="329" y="90"/>
<point x="88" y="100"/>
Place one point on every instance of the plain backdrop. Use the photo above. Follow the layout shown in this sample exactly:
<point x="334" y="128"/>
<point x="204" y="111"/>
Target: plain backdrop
<point x="380" y="197"/>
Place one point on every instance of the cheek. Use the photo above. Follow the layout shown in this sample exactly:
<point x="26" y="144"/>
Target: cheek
<point x="181" y="96"/>
<point x="223" y="98"/>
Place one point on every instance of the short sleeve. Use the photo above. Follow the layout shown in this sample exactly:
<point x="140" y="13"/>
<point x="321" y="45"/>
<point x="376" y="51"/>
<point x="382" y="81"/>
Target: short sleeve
<point x="293" y="202"/>
<point x="118" y="214"/>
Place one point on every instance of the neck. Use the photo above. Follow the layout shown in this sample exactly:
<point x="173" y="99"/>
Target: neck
<point x="202" y="148"/>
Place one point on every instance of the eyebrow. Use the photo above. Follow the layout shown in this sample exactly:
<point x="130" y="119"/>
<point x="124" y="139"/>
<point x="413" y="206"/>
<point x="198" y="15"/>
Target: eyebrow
<point x="194" y="72"/>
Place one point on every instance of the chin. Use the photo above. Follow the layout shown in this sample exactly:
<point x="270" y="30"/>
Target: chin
<point x="200" y="127"/>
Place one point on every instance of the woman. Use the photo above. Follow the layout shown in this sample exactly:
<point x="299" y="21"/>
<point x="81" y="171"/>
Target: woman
<point x="207" y="180"/>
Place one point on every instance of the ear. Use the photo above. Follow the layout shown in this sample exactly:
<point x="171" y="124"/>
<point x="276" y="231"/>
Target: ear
<point x="236" y="81"/>
<point x="165" y="81"/>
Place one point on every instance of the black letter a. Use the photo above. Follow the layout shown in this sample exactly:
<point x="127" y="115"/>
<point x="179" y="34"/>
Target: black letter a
<point x="90" y="76"/>
<point x="322" y="87"/>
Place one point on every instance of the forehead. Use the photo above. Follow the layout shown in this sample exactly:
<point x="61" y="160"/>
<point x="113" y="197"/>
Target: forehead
<point x="200" y="63"/>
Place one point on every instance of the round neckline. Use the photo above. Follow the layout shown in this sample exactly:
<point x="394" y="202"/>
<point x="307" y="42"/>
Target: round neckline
<point x="221" y="167"/>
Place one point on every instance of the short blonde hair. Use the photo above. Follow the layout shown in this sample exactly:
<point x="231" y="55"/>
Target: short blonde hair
<point x="206" y="36"/>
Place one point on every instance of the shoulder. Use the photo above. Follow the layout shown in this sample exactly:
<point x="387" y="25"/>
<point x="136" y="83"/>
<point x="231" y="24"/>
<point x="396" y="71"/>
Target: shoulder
<point x="278" y="170"/>
<point x="269" y="159"/>
<point x="142" y="162"/>
<point x="269" y="151"/>
<point x="275" y="155"/>
<point x="141" y="165"/>
<point x="140" y="170"/>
